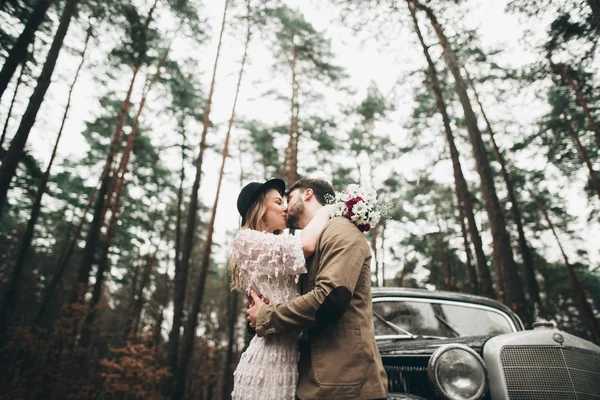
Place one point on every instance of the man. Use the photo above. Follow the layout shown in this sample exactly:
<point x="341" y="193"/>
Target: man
<point x="339" y="358"/>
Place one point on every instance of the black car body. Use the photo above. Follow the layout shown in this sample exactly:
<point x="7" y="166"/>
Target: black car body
<point x="446" y="345"/>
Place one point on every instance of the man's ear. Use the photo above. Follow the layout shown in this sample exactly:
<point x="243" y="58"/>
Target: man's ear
<point x="308" y="194"/>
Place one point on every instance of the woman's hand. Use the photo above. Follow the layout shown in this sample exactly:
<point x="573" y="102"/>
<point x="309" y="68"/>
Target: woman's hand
<point x="252" y="312"/>
<point x="265" y="299"/>
<point x="324" y="212"/>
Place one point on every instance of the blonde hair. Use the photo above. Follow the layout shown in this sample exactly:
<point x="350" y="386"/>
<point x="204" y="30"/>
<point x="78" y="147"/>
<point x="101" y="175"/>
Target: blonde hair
<point x="254" y="220"/>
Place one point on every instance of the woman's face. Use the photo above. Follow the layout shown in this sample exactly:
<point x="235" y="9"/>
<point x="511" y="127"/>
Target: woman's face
<point x="276" y="212"/>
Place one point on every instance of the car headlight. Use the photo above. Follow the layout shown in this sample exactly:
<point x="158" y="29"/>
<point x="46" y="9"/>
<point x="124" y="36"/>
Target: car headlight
<point x="457" y="372"/>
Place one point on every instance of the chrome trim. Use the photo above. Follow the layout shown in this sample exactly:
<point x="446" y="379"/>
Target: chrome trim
<point x="415" y="337"/>
<point x="432" y="372"/>
<point x="444" y="295"/>
<point x="538" y="337"/>
<point x="448" y="302"/>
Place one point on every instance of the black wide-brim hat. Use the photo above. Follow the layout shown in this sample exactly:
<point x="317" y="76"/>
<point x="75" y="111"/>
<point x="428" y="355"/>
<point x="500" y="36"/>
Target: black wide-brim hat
<point x="252" y="191"/>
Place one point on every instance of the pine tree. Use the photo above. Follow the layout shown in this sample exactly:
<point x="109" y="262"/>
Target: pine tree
<point x="503" y="258"/>
<point x="190" y="329"/>
<point x="306" y="55"/>
<point x="181" y="370"/>
<point x="13" y="154"/>
<point x="18" y="53"/>
<point x="585" y="310"/>
<point x="465" y="206"/>
<point x="13" y="291"/>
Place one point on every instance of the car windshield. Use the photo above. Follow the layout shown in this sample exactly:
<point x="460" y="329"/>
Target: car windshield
<point x="408" y="317"/>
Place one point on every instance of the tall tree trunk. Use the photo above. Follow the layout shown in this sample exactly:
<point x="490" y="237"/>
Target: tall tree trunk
<point x="585" y="311"/>
<point x="101" y="272"/>
<point x="12" y="293"/>
<point x="374" y="233"/>
<point x="91" y="241"/>
<point x="284" y="167"/>
<point x="62" y="265"/>
<point x="18" y="53"/>
<point x="117" y="185"/>
<point x="163" y="303"/>
<point x="192" y="321"/>
<point x="595" y="6"/>
<point x="463" y="196"/>
<point x="10" y="108"/>
<point x="138" y="304"/>
<point x="292" y="150"/>
<point x="383" y="226"/>
<point x="180" y="376"/>
<point x="136" y="314"/>
<point x="444" y="255"/>
<point x="106" y="187"/>
<point x="90" y="316"/>
<point x="180" y="278"/>
<point x="514" y="295"/>
<point x="586" y="159"/>
<point x="13" y="155"/>
<point x="533" y="287"/>
<point x="157" y="330"/>
<point x="119" y="176"/>
<point x="232" y="318"/>
<point x="472" y="286"/>
<point x="250" y="332"/>
<point x="135" y="277"/>
<point x="582" y="102"/>
<point x="400" y="279"/>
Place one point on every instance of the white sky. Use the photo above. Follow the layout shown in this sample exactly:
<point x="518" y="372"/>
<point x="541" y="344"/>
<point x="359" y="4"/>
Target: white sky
<point x="386" y="64"/>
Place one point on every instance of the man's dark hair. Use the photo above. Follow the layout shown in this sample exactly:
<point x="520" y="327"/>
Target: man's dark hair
<point x="320" y="187"/>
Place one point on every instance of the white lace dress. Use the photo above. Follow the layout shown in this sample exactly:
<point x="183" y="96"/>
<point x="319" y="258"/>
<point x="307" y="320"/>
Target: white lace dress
<point x="269" y="264"/>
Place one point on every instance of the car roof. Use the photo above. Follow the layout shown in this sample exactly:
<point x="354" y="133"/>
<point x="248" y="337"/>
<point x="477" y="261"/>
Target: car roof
<point x="444" y="295"/>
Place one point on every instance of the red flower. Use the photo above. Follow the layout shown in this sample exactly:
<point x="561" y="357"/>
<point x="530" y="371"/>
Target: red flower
<point x="350" y="203"/>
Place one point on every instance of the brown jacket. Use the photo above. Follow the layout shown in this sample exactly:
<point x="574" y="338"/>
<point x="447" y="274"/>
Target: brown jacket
<point x="338" y="357"/>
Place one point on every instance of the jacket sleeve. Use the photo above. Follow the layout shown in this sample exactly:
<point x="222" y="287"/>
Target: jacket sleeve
<point x="343" y="251"/>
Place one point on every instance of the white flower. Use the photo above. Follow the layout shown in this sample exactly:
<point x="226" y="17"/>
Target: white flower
<point x="358" y="219"/>
<point x="371" y="195"/>
<point x="360" y="208"/>
<point x="365" y="212"/>
<point x="375" y="217"/>
<point x="353" y="190"/>
<point x="338" y="209"/>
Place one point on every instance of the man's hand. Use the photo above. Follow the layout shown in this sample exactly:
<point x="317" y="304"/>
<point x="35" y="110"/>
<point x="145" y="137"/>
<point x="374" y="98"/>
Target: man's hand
<point x="252" y="313"/>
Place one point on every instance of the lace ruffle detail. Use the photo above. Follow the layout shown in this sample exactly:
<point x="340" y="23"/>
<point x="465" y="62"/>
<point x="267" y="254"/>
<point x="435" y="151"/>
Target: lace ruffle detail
<point x="265" y="254"/>
<point x="268" y="369"/>
<point x="268" y="264"/>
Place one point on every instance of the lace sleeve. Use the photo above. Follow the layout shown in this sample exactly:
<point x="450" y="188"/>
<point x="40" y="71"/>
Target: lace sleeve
<point x="268" y="254"/>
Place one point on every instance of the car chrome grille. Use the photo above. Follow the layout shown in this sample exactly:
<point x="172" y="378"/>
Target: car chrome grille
<point x="404" y="378"/>
<point x="551" y="373"/>
<point x="408" y="375"/>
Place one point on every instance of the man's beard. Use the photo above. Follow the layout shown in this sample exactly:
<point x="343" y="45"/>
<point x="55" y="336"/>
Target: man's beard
<point x="293" y="215"/>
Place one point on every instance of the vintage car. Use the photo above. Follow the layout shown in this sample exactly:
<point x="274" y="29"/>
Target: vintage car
<point x="444" y="345"/>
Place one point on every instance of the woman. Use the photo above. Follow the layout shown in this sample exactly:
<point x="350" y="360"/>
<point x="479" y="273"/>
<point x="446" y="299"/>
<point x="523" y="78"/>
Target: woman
<point x="269" y="263"/>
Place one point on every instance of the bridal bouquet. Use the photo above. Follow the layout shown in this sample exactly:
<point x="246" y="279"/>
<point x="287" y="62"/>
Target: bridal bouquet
<point x="360" y="206"/>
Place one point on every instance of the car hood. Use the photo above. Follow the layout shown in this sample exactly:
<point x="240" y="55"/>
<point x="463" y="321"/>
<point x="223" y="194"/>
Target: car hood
<point x="399" y="347"/>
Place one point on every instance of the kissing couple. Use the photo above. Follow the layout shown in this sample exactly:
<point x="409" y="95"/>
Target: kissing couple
<point x="316" y="341"/>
